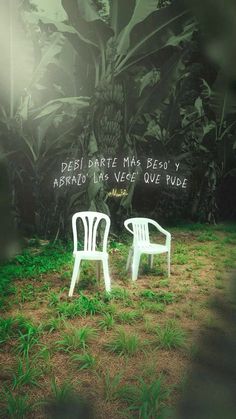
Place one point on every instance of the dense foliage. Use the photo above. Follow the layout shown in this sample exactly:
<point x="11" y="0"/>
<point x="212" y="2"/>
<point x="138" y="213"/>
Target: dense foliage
<point x="100" y="78"/>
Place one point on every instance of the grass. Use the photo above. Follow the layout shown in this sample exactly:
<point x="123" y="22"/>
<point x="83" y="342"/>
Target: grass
<point x="170" y="336"/>
<point x="84" y="361"/>
<point x="162" y="283"/>
<point x="110" y="347"/>
<point x="63" y="392"/>
<point x="53" y="324"/>
<point x="35" y="262"/>
<point x="27" y="341"/>
<point x="146" y="400"/>
<point x="107" y="322"/>
<point x="123" y="343"/>
<point x="128" y="317"/>
<point x="158" y="296"/>
<point x="81" y="307"/>
<point x="121" y="295"/>
<point x="152" y="307"/>
<point x="207" y="236"/>
<point x="26" y="374"/>
<point x="15" y="406"/>
<point x="75" y="339"/>
<point x="111" y="385"/>
<point x="6" y="329"/>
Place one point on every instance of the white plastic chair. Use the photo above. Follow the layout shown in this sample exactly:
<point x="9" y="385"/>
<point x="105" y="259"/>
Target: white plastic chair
<point x="91" y="221"/>
<point x="141" y="243"/>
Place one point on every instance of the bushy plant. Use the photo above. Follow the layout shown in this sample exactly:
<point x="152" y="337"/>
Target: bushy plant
<point x="124" y="343"/>
<point x="75" y="339"/>
<point x="84" y="361"/>
<point x="170" y="335"/>
<point x="146" y="400"/>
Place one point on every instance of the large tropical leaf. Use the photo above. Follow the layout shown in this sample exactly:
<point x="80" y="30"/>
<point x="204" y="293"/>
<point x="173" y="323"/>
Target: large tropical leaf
<point x="120" y="14"/>
<point x="168" y="26"/>
<point x="153" y="95"/>
<point x="54" y="105"/>
<point x="142" y="10"/>
<point x="83" y="16"/>
<point x="48" y="56"/>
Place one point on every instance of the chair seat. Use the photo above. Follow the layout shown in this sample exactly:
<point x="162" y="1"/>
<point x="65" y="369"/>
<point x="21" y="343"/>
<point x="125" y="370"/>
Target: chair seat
<point x="151" y="248"/>
<point x="90" y="255"/>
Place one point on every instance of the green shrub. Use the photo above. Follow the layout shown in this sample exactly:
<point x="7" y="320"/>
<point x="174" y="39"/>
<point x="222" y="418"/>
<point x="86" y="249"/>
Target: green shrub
<point x="76" y="339"/>
<point x="124" y="343"/>
<point x="145" y="400"/>
<point x="107" y="322"/>
<point x="84" y="361"/>
<point x="170" y="335"/>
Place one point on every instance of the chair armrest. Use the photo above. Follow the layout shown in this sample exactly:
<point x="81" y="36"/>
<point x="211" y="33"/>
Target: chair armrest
<point x="168" y="239"/>
<point x="126" y="224"/>
<point x="163" y="231"/>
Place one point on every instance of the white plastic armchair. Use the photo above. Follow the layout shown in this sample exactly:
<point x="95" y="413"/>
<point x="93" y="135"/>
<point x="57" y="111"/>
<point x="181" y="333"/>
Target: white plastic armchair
<point x="91" y="222"/>
<point x="139" y="227"/>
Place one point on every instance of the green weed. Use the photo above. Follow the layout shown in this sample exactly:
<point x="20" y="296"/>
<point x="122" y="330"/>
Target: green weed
<point x="53" y="324"/>
<point x="121" y="295"/>
<point x="159" y="297"/>
<point x="27" y="293"/>
<point x="107" y="322"/>
<point x="82" y="306"/>
<point x="53" y="299"/>
<point x="153" y="307"/>
<point x="157" y="269"/>
<point x="190" y="310"/>
<point x="170" y="336"/>
<point x="111" y="385"/>
<point x="180" y="259"/>
<point x="76" y="339"/>
<point x="219" y="285"/>
<point x="230" y="239"/>
<point x="207" y="236"/>
<point x="124" y="343"/>
<point x="45" y="287"/>
<point x="181" y="254"/>
<point x="229" y="263"/>
<point x="84" y="361"/>
<point x="6" y="329"/>
<point x="26" y="374"/>
<point x="16" y="406"/>
<point x="63" y="392"/>
<point x="163" y="283"/>
<point x="146" y="400"/>
<point x="49" y="258"/>
<point x="198" y="281"/>
<point x="128" y="317"/>
<point x="27" y="341"/>
<point x="226" y="228"/>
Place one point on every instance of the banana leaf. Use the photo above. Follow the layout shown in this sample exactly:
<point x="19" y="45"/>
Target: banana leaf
<point x="166" y="27"/>
<point x="54" y="105"/>
<point x="141" y="10"/>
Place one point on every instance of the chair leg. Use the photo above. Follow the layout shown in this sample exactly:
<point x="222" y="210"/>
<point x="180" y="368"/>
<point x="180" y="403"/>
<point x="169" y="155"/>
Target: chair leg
<point x="168" y="263"/>
<point x="129" y="259"/>
<point x="75" y="276"/>
<point x="78" y="274"/>
<point x="106" y="275"/>
<point x="150" y="261"/>
<point x="98" y="270"/>
<point x="135" y="265"/>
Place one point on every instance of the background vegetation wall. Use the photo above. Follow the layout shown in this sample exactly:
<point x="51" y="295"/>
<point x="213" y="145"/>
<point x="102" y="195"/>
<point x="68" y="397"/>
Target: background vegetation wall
<point x="93" y="88"/>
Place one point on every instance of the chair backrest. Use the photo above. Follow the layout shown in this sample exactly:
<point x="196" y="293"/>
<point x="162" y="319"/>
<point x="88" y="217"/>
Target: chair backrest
<point x="91" y="221"/>
<point x="139" y="229"/>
